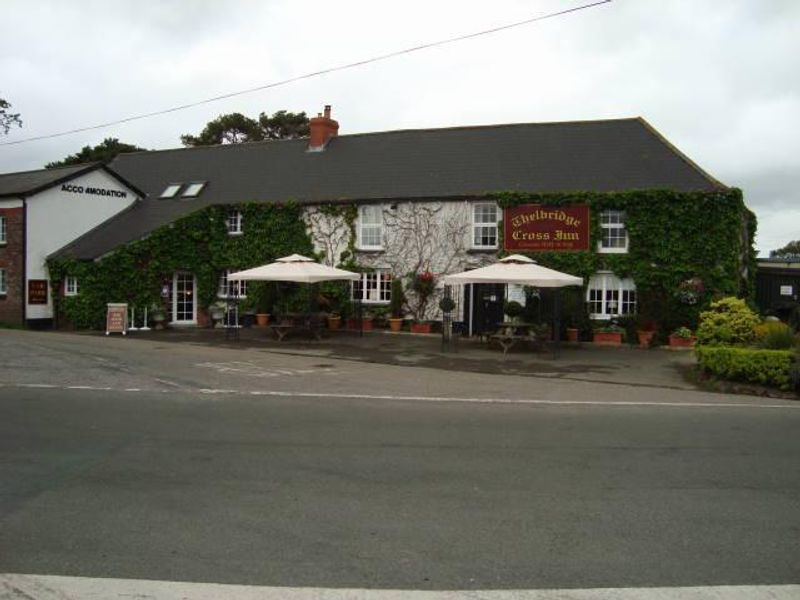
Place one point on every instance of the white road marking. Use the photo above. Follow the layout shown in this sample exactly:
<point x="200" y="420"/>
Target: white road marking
<point x="253" y="370"/>
<point x="790" y="405"/>
<point x="52" y="587"/>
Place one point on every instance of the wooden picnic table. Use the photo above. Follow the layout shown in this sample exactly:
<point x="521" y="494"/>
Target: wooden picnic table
<point x="297" y="323"/>
<point x="510" y="334"/>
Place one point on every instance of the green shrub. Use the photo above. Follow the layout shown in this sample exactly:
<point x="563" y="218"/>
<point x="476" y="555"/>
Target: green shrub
<point x="774" y="335"/>
<point x="513" y="309"/>
<point x="753" y="365"/>
<point x="729" y="321"/>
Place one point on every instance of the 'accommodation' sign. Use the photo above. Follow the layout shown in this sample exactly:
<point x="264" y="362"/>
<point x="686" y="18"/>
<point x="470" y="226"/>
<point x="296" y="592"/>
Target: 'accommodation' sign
<point x="546" y="228"/>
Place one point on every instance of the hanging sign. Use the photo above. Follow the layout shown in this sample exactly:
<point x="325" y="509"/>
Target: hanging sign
<point x="117" y="318"/>
<point x="536" y="227"/>
<point x="37" y="291"/>
<point x="786" y="290"/>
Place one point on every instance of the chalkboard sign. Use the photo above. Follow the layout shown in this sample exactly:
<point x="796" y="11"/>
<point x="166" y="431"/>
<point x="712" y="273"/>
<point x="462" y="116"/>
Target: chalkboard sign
<point x="117" y="319"/>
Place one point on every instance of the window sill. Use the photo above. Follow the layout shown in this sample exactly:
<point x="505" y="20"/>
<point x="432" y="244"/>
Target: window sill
<point x="235" y="233"/>
<point x="370" y="250"/>
<point x="612" y="250"/>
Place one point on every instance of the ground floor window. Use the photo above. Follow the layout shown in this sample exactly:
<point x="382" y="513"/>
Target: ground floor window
<point x="373" y="287"/>
<point x="231" y="289"/>
<point x="610" y="296"/>
<point x="3" y="282"/>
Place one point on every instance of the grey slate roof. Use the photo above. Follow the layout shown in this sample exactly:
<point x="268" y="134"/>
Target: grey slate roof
<point x="622" y="154"/>
<point x="30" y="182"/>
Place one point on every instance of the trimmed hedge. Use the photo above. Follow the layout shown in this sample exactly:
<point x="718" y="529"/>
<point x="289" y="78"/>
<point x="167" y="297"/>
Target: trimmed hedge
<point x="753" y="365"/>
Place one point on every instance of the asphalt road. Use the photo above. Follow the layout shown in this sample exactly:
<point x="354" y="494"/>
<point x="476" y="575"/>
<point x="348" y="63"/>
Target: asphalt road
<point x="199" y="464"/>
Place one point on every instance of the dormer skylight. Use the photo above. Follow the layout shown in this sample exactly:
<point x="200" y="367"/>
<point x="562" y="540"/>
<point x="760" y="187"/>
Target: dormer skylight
<point x="193" y="189"/>
<point x="171" y="190"/>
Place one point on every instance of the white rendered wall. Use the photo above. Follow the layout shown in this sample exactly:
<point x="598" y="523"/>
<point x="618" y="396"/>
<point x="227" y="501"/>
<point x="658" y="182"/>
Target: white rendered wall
<point x="11" y="203"/>
<point x="56" y="217"/>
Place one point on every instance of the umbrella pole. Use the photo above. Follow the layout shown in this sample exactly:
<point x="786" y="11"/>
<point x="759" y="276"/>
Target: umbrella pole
<point x="556" y="323"/>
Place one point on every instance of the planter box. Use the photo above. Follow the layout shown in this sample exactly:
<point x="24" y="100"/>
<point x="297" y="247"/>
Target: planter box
<point x="334" y="322"/>
<point x="676" y="341"/>
<point x="572" y="334"/>
<point x="365" y="325"/>
<point x="645" y="338"/>
<point x="420" y="328"/>
<point x="607" y="338"/>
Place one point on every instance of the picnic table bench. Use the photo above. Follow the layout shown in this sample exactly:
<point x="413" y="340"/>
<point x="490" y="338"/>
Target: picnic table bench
<point x="304" y="324"/>
<point x="510" y="334"/>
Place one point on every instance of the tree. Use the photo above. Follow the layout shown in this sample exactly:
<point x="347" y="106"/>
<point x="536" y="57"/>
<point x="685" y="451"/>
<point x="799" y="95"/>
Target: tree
<point x="790" y="249"/>
<point x="235" y="128"/>
<point x="103" y="152"/>
<point x="7" y="119"/>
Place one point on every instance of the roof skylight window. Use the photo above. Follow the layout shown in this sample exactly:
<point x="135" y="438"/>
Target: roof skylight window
<point x="193" y="189"/>
<point x="171" y="190"/>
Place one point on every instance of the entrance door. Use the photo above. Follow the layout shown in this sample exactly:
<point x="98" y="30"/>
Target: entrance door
<point x="184" y="292"/>
<point x="487" y="312"/>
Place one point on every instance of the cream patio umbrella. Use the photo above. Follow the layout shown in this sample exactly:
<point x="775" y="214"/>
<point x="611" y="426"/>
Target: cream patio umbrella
<point x="296" y="268"/>
<point x="521" y="270"/>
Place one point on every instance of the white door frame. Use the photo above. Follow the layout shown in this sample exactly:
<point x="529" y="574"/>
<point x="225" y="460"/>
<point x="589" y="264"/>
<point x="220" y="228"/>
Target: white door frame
<point x="175" y="320"/>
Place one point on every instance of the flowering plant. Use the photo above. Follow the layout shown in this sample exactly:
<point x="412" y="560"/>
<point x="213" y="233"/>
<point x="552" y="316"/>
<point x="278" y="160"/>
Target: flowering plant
<point x="682" y="332"/>
<point x="423" y="284"/>
<point x="689" y="291"/>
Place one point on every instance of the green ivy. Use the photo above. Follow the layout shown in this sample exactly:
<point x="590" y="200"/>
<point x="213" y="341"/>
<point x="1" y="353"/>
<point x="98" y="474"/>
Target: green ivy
<point x="198" y="243"/>
<point x="673" y="236"/>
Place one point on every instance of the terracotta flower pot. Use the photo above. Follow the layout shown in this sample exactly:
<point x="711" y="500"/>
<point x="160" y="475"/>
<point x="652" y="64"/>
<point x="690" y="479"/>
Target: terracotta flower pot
<point x="676" y="341"/>
<point x="334" y="321"/>
<point x="607" y="338"/>
<point x="572" y="334"/>
<point x="395" y="323"/>
<point x="364" y="325"/>
<point x="420" y="328"/>
<point x="645" y="338"/>
<point x="262" y="319"/>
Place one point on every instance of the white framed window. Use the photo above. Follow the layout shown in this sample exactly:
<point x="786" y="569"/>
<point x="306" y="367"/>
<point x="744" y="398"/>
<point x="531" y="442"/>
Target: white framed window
<point x="609" y="296"/>
<point x="71" y="286"/>
<point x="484" y="225"/>
<point x="193" y="189"/>
<point x="3" y="282"/>
<point x="171" y="190"/>
<point x="3" y="231"/>
<point x="613" y="235"/>
<point x="370" y="227"/>
<point x="375" y="287"/>
<point x="231" y="289"/>
<point x="234" y="222"/>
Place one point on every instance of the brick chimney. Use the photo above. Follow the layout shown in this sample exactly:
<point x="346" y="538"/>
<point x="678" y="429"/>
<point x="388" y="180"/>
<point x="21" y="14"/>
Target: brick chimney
<point x="323" y="128"/>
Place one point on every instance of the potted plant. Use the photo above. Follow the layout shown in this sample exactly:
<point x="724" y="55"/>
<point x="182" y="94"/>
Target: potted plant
<point x="334" y="320"/>
<point x="158" y="316"/>
<point x="421" y="327"/>
<point x="396" y="305"/>
<point x="682" y="337"/>
<point x="609" y="334"/>
<point x="217" y="313"/>
<point x="645" y="332"/>
<point x="513" y="310"/>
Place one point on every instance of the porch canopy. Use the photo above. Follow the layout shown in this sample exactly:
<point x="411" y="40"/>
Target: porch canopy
<point x="515" y="269"/>
<point x="296" y="268"/>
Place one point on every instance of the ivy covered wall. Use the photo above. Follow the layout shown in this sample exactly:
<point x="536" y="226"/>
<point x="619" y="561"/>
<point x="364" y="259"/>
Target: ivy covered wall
<point x="198" y="243"/>
<point x="673" y="237"/>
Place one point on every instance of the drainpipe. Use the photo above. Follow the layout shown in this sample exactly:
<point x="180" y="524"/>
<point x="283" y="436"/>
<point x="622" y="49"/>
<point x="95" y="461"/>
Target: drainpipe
<point x="24" y="285"/>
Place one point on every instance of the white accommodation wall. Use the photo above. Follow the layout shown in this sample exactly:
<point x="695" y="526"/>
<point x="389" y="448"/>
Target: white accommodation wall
<point x="418" y="236"/>
<point x="56" y="217"/>
<point x="11" y="203"/>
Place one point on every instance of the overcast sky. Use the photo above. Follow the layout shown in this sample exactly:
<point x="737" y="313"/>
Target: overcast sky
<point x="719" y="78"/>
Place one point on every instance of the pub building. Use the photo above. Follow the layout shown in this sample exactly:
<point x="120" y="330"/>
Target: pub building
<point x="424" y="200"/>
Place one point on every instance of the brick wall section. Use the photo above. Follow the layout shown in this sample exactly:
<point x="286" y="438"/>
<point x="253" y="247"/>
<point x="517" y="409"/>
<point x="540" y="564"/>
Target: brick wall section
<point x="12" y="256"/>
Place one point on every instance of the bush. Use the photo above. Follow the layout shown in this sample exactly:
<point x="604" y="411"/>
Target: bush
<point x="753" y="365"/>
<point x="729" y="321"/>
<point x="513" y="309"/>
<point x="774" y="335"/>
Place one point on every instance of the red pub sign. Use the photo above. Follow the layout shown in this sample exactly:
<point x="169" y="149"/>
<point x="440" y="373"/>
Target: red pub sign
<point x="533" y="227"/>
